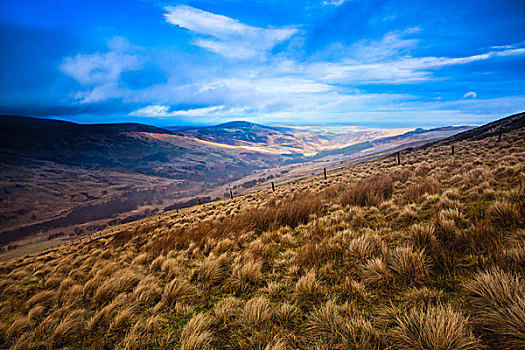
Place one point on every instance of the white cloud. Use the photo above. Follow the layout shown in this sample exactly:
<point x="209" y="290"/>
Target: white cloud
<point x="400" y="70"/>
<point x="230" y="37"/>
<point x="98" y="68"/>
<point x="158" y="111"/>
<point x="471" y="94"/>
<point x="333" y="2"/>
<point x="100" y="72"/>
<point x="390" y="46"/>
<point x="281" y="89"/>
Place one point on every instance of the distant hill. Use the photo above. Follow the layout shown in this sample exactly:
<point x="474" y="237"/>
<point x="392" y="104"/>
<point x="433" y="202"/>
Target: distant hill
<point x="241" y="133"/>
<point x="502" y="126"/>
<point x="102" y="145"/>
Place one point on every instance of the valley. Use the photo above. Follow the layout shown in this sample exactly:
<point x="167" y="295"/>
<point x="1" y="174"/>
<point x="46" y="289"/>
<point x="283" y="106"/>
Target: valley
<point x="62" y="180"/>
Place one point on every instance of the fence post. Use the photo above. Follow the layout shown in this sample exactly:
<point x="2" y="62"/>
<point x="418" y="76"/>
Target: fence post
<point x="273" y="186"/>
<point x="398" y="159"/>
<point x="453" y="150"/>
<point x="324" y="173"/>
<point x="199" y="201"/>
<point x="231" y="194"/>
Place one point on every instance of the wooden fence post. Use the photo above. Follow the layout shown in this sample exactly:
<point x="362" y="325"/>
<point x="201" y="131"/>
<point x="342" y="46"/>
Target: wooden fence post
<point x="324" y="173"/>
<point x="231" y="194"/>
<point x="273" y="186"/>
<point x="453" y="151"/>
<point x="199" y="201"/>
<point x="398" y="159"/>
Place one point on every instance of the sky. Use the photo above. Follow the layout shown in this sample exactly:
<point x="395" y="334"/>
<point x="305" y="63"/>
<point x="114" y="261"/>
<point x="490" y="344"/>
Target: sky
<point x="325" y="62"/>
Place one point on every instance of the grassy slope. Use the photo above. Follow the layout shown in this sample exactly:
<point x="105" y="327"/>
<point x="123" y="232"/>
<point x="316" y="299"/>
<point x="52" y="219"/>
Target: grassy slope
<point x="420" y="256"/>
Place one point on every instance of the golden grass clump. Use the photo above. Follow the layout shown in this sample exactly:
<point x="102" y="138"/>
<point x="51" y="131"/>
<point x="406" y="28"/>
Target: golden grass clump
<point x="123" y="320"/>
<point x="257" y="311"/>
<point x="365" y="247"/>
<point x="328" y="328"/>
<point x="504" y="214"/>
<point x="45" y="298"/>
<point x="375" y="274"/>
<point x="493" y="289"/>
<point x="70" y="328"/>
<point x="196" y="334"/>
<point x="371" y="191"/>
<point x="422" y="236"/>
<point x="122" y="281"/>
<point x="178" y="291"/>
<point x="149" y="333"/>
<point x="409" y="267"/>
<point x="148" y="292"/>
<point x="416" y="191"/>
<point x="210" y="272"/>
<point x="288" y="315"/>
<point x="102" y="319"/>
<point x="422" y="297"/>
<point x="497" y="301"/>
<point x="157" y="263"/>
<point x="308" y="291"/>
<point x="513" y="257"/>
<point x="245" y="277"/>
<point x="433" y="328"/>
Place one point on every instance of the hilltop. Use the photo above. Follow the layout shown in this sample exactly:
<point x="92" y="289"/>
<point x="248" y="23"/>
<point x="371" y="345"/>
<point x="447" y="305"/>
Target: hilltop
<point x="428" y="254"/>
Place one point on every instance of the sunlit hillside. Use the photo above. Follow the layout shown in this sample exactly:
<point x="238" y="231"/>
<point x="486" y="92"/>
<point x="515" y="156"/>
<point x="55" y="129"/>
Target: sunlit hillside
<point x="425" y="254"/>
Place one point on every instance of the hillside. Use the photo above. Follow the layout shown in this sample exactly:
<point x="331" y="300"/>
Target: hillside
<point x="429" y="254"/>
<point x="56" y="174"/>
<point x="61" y="179"/>
<point x="285" y="140"/>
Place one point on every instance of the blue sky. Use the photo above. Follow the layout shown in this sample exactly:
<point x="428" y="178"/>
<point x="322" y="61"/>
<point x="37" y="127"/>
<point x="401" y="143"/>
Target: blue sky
<point x="356" y="62"/>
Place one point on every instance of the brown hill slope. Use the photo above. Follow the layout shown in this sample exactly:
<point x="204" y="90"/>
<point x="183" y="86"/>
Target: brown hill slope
<point x="425" y="255"/>
<point x="60" y="179"/>
<point x="56" y="174"/>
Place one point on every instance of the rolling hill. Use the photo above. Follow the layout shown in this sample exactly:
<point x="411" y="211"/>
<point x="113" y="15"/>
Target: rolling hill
<point x="58" y="174"/>
<point x="428" y="254"/>
<point x="61" y="179"/>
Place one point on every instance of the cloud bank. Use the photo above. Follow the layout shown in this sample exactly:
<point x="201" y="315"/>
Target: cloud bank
<point x="301" y="62"/>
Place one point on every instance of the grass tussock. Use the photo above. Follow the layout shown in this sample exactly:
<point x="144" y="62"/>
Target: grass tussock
<point x="308" y="291"/>
<point x="371" y="191"/>
<point x="497" y="301"/>
<point x="329" y="328"/>
<point x="178" y="291"/>
<point x="433" y="328"/>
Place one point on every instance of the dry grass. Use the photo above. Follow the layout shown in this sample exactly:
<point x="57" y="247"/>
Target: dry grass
<point x="433" y="328"/>
<point x="69" y="329"/>
<point x="409" y="267"/>
<point x="245" y="277"/>
<point x="326" y="326"/>
<point x="497" y="301"/>
<point x="427" y="255"/>
<point x="371" y="191"/>
<point x="196" y="334"/>
<point x="178" y="291"/>
<point x="308" y="291"/>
